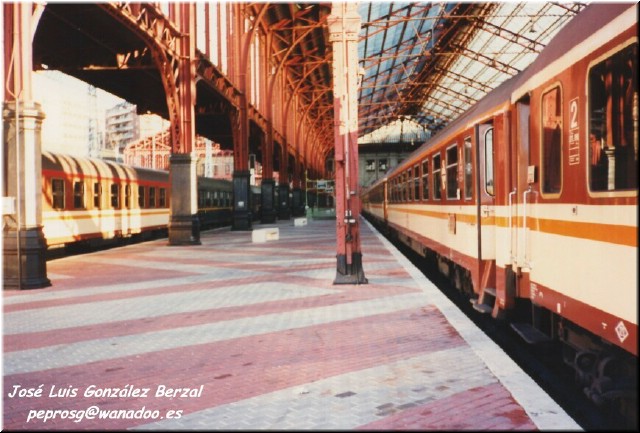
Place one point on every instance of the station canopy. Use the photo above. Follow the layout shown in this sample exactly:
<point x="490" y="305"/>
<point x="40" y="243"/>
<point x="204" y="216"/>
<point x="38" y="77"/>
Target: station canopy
<point x="422" y="64"/>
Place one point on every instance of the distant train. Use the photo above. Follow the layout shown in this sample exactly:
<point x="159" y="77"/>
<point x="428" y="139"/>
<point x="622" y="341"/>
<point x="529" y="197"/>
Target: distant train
<point x="88" y="200"/>
<point x="530" y="199"/>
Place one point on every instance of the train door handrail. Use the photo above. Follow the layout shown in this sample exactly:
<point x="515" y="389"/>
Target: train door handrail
<point x="525" y="225"/>
<point x="511" y="194"/>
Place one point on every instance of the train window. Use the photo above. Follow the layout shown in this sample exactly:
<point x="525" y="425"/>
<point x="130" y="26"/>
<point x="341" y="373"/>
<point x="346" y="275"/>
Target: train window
<point x="200" y="198"/>
<point x="162" y="198"/>
<point x="216" y="201"/>
<point x="406" y="186"/>
<point x="468" y="170"/>
<point x="141" y="196"/>
<point x="452" y="172"/>
<point x="392" y="190"/>
<point x="78" y="195"/>
<point x="613" y="122"/>
<point x="115" y="196"/>
<point x="488" y="161"/>
<point x="409" y="180"/>
<point x="437" y="179"/>
<point x="97" y="195"/>
<point x="127" y="196"/>
<point x="551" y="147"/>
<point x="425" y="179"/>
<point x="152" y="196"/>
<point x="416" y="182"/>
<point x="57" y="193"/>
<point x="395" y="190"/>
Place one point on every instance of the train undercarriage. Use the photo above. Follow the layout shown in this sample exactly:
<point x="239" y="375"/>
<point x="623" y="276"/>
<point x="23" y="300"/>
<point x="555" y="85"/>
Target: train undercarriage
<point x="606" y="374"/>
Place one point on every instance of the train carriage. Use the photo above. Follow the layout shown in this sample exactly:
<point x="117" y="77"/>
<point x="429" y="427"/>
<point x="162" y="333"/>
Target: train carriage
<point x="85" y="199"/>
<point x="531" y="197"/>
<point x="92" y="201"/>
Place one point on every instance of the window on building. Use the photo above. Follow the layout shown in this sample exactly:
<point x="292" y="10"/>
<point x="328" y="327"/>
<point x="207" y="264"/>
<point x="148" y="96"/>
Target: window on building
<point x="425" y="179"/>
<point x="370" y="165"/>
<point x="78" y="195"/>
<point x="468" y="170"/>
<point x="551" y="146"/>
<point x="437" y="178"/>
<point x="452" y="172"/>
<point x="613" y="122"/>
<point x="383" y="165"/>
<point x="57" y="193"/>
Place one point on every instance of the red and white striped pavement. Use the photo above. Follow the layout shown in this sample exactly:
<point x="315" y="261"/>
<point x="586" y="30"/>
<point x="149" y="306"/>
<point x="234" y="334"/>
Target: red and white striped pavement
<point x="232" y="334"/>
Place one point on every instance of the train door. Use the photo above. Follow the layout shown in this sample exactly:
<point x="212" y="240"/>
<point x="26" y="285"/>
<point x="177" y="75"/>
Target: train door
<point x="484" y="278"/>
<point x="520" y="196"/>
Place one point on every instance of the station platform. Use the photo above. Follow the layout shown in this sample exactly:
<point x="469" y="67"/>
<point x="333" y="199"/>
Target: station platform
<point x="241" y="335"/>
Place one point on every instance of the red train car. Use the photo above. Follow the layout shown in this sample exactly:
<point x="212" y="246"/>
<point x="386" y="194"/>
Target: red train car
<point x="531" y="198"/>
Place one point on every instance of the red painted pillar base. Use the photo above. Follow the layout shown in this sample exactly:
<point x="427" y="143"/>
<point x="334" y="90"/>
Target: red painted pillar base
<point x="352" y="273"/>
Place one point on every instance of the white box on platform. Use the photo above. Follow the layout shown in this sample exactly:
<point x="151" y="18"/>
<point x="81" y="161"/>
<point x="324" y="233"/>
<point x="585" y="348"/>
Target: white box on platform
<point x="299" y="222"/>
<point x="266" y="234"/>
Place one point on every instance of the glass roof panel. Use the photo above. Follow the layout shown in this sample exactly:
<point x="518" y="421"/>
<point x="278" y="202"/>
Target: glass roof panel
<point x="430" y="61"/>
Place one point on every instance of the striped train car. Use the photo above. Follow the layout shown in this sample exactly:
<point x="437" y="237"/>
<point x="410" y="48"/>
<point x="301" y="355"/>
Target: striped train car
<point x="530" y="199"/>
<point x="92" y="201"/>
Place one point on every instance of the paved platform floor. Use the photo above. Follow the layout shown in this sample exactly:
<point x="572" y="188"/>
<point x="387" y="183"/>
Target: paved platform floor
<point x="232" y="334"/>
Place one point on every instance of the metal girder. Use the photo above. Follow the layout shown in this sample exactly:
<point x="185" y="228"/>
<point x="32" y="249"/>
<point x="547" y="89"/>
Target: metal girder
<point x="470" y="50"/>
<point x="409" y="52"/>
<point x="486" y="60"/>
<point x="162" y="37"/>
